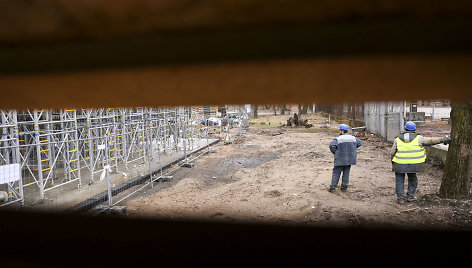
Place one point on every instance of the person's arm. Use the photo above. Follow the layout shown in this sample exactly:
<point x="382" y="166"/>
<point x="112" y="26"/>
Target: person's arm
<point x="393" y="151"/>
<point x="333" y="146"/>
<point x="432" y="141"/>
<point x="358" y="143"/>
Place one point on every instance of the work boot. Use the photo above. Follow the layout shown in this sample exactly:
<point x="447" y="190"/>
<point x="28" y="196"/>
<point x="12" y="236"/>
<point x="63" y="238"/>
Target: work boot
<point x="400" y="201"/>
<point x="411" y="199"/>
<point x="343" y="189"/>
<point x="331" y="190"/>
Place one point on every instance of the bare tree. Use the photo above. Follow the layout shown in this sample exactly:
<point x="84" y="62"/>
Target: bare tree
<point x="458" y="168"/>
<point x="283" y="109"/>
<point x="255" y="111"/>
<point x="305" y="109"/>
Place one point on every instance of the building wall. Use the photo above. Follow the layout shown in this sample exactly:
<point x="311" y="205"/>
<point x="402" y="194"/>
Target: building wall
<point x="385" y="119"/>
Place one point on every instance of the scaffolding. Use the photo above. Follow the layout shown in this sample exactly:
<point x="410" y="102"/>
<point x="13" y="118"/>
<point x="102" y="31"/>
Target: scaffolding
<point x="10" y="156"/>
<point x="52" y="148"/>
<point x="49" y="148"/>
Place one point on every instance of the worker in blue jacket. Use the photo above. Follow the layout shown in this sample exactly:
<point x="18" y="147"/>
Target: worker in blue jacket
<point x="344" y="149"/>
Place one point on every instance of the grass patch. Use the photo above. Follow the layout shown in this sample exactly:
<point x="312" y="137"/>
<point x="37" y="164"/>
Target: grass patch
<point x="315" y="130"/>
<point x="267" y="121"/>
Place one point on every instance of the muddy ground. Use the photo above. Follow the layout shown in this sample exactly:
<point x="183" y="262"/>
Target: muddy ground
<point x="281" y="175"/>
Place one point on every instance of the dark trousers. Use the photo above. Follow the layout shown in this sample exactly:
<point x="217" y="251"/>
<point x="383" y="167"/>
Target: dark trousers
<point x="400" y="184"/>
<point x="337" y="173"/>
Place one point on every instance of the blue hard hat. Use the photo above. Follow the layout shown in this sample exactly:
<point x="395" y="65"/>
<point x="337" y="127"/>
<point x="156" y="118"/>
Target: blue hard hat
<point x="410" y="126"/>
<point x="343" y="127"/>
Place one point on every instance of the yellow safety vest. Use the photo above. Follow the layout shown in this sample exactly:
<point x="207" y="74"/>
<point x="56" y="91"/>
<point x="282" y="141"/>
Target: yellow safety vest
<point x="409" y="153"/>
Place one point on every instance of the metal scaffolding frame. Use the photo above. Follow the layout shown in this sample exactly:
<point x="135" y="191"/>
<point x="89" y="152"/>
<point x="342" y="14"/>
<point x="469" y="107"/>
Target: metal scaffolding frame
<point x="59" y="147"/>
<point x="49" y="146"/>
<point x="10" y="154"/>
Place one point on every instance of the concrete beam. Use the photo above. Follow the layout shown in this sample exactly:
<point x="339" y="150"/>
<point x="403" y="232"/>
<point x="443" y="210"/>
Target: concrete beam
<point x="437" y="152"/>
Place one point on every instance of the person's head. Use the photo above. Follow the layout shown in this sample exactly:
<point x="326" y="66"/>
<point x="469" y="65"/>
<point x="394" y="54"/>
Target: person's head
<point x="410" y="126"/>
<point x="343" y="128"/>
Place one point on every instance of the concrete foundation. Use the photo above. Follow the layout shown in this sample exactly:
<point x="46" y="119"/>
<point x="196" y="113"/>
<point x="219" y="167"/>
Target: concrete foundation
<point x="437" y="152"/>
<point x="417" y="117"/>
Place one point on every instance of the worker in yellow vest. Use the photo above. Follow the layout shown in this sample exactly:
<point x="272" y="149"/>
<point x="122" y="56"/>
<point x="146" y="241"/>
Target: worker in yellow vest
<point x="408" y="157"/>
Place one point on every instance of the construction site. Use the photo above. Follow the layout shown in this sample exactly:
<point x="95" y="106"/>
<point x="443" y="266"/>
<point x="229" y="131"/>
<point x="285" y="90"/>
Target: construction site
<point x="183" y="132"/>
<point x="275" y="173"/>
<point x="147" y="162"/>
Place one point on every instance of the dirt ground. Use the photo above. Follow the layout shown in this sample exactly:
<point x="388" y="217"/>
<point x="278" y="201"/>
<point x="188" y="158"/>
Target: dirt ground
<point x="280" y="174"/>
<point x="436" y="128"/>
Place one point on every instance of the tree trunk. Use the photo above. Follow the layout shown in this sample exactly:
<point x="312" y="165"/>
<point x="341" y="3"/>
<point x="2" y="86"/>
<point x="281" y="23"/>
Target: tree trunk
<point x="282" y="109"/>
<point x="275" y="109"/>
<point x="458" y="168"/>
<point x="305" y="109"/>
<point x="295" y="118"/>
<point x="255" y="111"/>
<point x="299" y="109"/>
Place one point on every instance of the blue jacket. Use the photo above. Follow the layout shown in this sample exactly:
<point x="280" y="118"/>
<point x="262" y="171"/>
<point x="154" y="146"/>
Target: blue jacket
<point x="344" y="149"/>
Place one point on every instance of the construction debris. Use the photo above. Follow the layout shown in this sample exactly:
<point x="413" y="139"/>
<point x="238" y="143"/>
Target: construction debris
<point x="411" y="209"/>
<point x="359" y="131"/>
<point x="188" y="165"/>
<point x="114" y="210"/>
<point x="296" y="121"/>
<point x="164" y="178"/>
